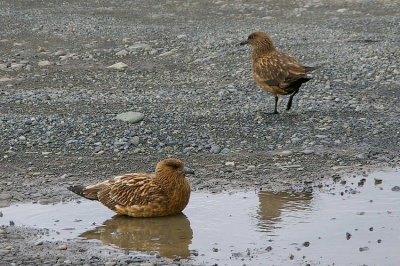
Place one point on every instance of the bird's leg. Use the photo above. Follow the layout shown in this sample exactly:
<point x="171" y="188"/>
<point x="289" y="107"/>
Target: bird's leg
<point x="289" y="104"/>
<point x="276" y="105"/>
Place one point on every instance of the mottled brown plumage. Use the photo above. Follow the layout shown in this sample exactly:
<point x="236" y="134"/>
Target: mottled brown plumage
<point x="276" y="72"/>
<point x="162" y="193"/>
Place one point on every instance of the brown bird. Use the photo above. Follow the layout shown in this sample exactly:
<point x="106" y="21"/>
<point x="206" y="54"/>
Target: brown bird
<point x="162" y="193"/>
<point x="276" y="72"/>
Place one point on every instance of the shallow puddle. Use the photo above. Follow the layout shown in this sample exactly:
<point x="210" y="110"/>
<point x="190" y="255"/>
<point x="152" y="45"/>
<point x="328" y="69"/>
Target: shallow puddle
<point x="343" y="224"/>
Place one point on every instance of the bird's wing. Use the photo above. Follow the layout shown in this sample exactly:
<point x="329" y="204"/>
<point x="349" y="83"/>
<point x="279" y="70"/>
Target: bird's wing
<point x="130" y="189"/>
<point x="279" y="69"/>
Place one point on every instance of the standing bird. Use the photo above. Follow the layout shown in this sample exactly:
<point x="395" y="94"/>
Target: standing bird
<point x="162" y="193"/>
<point x="276" y="72"/>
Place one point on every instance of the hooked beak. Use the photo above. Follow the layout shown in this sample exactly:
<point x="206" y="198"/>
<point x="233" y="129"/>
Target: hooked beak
<point x="188" y="171"/>
<point x="244" y="42"/>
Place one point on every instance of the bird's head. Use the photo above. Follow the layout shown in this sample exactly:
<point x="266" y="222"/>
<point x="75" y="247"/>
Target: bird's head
<point x="172" y="166"/>
<point x="259" y="40"/>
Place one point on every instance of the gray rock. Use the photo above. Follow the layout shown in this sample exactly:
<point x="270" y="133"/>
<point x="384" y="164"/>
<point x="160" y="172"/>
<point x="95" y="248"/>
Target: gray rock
<point x="396" y="188"/>
<point x="138" y="46"/>
<point x="135" y="140"/>
<point x="122" y="53"/>
<point x="5" y="196"/>
<point x="130" y="117"/>
<point x="285" y="153"/>
<point x="307" y="151"/>
<point x="215" y="149"/>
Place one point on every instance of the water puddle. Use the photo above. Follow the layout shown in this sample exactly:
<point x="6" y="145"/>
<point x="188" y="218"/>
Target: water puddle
<point x="346" y="223"/>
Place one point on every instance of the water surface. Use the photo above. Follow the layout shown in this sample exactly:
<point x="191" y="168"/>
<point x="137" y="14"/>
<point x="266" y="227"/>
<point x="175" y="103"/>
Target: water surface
<point x="342" y="224"/>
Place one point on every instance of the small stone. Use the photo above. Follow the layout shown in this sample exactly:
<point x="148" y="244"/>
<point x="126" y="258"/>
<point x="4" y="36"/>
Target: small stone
<point x="16" y="66"/>
<point x="62" y="247"/>
<point x="118" y="66"/>
<point x="215" y="149"/>
<point x="307" y="152"/>
<point x="138" y="46"/>
<point x="60" y="53"/>
<point x="306" y="244"/>
<point x="44" y="63"/>
<point x="285" y="153"/>
<point x="110" y="263"/>
<point x="122" y="53"/>
<point x="371" y="229"/>
<point x="130" y="117"/>
<point x="379" y="241"/>
<point x="39" y="243"/>
<point x="135" y="140"/>
<point x="268" y="249"/>
<point x="363" y="249"/>
<point x="41" y="49"/>
<point x="5" y="196"/>
<point x="230" y="164"/>
<point x="378" y="181"/>
<point x="215" y="249"/>
<point x="342" y="10"/>
<point x="348" y="236"/>
<point x="396" y="188"/>
<point x="169" y="53"/>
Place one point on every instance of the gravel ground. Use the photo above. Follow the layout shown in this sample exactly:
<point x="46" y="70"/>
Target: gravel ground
<point x="187" y="75"/>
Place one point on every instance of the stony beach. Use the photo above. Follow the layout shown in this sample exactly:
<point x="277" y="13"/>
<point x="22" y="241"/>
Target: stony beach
<point x="69" y="70"/>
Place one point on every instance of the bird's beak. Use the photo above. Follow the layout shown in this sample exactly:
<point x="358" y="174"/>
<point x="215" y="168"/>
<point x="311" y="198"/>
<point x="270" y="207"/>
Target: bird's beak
<point x="244" y="42"/>
<point x="188" y="171"/>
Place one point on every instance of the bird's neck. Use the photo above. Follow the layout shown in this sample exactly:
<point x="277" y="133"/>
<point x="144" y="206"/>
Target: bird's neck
<point x="169" y="180"/>
<point x="262" y="50"/>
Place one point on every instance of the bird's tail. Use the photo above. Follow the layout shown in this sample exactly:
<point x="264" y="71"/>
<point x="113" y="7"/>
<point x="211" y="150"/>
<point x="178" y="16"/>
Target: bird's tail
<point x="84" y="192"/>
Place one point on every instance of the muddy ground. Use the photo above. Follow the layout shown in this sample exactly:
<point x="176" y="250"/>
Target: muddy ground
<point x="192" y="81"/>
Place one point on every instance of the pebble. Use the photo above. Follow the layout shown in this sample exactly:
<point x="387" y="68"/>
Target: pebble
<point x="348" y="236"/>
<point x="16" y="66"/>
<point x="122" y="53"/>
<point x="363" y="249"/>
<point x="118" y="66"/>
<point x="130" y="117"/>
<point x="44" y="63"/>
<point x="138" y="46"/>
<point x="230" y="164"/>
<point x="110" y="263"/>
<point x="215" y="149"/>
<point x="135" y="140"/>
<point x="5" y="196"/>
<point x="39" y="243"/>
<point x="60" y="53"/>
<point x="396" y="188"/>
<point x="285" y="153"/>
<point x="307" y="152"/>
<point x="62" y="247"/>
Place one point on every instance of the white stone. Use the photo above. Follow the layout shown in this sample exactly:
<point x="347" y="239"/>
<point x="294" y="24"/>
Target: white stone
<point x="118" y="66"/>
<point x="44" y="63"/>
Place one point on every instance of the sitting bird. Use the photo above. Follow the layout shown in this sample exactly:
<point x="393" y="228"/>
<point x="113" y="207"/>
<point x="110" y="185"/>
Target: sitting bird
<point x="274" y="71"/>
<point x="165" y="192"/>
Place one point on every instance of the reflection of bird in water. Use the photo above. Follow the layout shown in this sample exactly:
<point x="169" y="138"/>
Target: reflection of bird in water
<point x="272" y="205"/>
<point x="169" y="235"/>
<point x="162" y="193"/>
